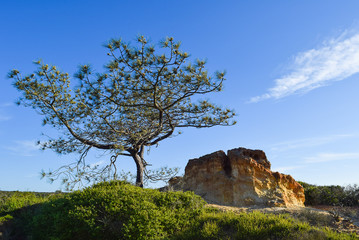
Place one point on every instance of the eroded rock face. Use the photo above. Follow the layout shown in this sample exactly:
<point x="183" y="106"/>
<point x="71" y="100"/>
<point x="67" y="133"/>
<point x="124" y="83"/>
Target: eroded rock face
<point x="240" y="178"/>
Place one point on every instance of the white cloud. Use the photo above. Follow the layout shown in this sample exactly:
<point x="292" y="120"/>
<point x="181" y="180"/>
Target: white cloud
<point x="335" y="60"/>
<point x="3" y="115"/>
<point x="309" y="142"/>
<point x="328" y="157"/>
<point x="6" y="104"/>
<point x="24" y="148"/>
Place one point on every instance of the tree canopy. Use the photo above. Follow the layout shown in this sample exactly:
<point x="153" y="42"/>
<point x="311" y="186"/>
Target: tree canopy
<point x="143" y="97"/>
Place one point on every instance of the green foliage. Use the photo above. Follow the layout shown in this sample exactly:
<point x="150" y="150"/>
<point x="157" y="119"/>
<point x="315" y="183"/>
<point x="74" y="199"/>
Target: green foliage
<point x="11" y="201"/>
<point x="118" y="210"/>
<point x="254" y="225"/>
<point x="17" y="210"/>
<point x="314" y="218"/>
<point x="144" y="95"/>
<point x="331" y="195"/>
<point x="5" y="218"/>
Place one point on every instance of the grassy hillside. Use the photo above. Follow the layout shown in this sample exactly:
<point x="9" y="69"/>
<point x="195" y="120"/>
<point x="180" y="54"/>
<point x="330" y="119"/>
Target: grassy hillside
<point x="117" y="210"/>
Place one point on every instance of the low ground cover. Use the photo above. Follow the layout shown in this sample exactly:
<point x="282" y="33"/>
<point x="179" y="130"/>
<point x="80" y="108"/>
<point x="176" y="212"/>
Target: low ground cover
<point x="118" y="210"/>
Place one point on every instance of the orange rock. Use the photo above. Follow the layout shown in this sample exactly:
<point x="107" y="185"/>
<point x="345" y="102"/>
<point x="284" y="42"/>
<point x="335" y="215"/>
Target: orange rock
<point x="240" y="178"/>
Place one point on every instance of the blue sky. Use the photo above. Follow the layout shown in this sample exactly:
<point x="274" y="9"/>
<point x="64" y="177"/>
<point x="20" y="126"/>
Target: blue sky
<point x="291" y="77"/>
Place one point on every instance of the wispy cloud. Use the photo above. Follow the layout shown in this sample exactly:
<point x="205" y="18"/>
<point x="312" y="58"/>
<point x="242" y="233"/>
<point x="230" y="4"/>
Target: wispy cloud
<point x="328" y="157"/>
<point x="6" y="104"/>
<point x="25" y="148"/>
<point x="309" y="142"/>
<point x="3" y="115"/>
<point x="334" y="60"/>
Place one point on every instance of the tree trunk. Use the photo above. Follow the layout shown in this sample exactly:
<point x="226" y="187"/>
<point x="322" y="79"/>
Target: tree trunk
<point x="140" y="168"/>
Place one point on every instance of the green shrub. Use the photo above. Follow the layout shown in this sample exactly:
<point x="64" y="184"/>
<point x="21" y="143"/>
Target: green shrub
<point x="17" y="200"/>
<point x="17" y="210"/>
<point x="5" y="218"/>
<point x="314" y="218"/>
<point x="116" y="210"/>
<point x="254" y="225"/>
<point x="331" y="195"/>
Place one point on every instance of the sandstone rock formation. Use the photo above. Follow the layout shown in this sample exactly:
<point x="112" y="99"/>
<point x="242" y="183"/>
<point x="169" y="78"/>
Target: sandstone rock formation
<point x="240" y="178"/>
